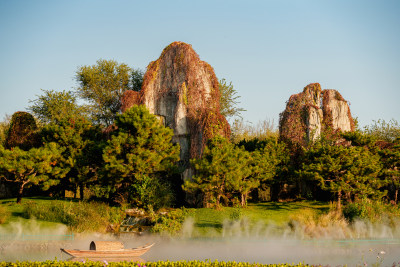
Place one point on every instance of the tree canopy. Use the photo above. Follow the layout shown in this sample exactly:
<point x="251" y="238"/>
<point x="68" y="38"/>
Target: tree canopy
<point x="382" y="130"/>
<point x="34" y="166"/>
<point x="137" y="153"/>
<point x="229" y="100"/>
<point x="103" y="85"/>
<point x="81" y="144"/>
<point x="54" y="106"/>
<point x="226" y="169"/>
<point x="346" y="171"/>
<point x="22" y="131"/>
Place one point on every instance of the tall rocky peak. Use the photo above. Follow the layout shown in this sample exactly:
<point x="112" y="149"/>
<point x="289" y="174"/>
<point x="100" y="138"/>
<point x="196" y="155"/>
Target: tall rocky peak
<point x="183" y="92"/>
<point x="309" y="113"/>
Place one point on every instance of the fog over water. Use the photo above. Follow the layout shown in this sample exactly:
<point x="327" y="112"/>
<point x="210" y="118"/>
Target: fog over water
<point x="261" y="244"/>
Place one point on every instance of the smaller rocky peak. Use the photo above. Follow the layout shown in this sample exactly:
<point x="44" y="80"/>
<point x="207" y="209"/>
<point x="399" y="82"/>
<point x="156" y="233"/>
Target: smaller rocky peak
<point x="312" y="112"/>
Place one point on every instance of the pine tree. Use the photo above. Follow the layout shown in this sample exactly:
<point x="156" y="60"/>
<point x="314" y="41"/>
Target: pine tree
<point x="223" y="171"/>
<point x="34" y="166"/>
<point x="345" y="171"/>
<point x="390" y="157"/>
<point x="81" y="156"/>
<point x="137" y="153"/>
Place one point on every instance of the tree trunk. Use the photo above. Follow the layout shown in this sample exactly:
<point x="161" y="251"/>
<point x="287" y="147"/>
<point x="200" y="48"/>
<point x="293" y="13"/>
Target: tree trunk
<point x="81" y="190"/>
<point x="243" y="200"/>
<point x="339" y="206"/>
<point x="395" y="195"/>
<point x="20" y="193"/>
<point x="218" y="201"/>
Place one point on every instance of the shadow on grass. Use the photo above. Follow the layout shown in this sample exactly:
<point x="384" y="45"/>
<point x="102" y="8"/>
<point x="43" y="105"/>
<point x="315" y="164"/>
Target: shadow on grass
<point x="19" y="214"/>
<point x="293" y="206"/>
<point x="209" y="225"/>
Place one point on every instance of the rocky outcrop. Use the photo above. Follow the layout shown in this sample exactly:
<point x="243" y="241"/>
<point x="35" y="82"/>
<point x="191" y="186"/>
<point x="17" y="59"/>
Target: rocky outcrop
<point x="336" y="111"/>
<point x="313" y="112"/>
<point x="182" y="91"/>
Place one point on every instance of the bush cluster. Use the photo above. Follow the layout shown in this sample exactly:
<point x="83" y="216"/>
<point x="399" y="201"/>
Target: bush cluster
<point x="170" y="222"/>
<point x="374" y="211"/>
<point x="79" y="216"/>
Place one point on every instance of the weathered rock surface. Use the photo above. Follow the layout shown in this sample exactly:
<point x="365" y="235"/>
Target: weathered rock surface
<point x="337" y="111"/>
<point x="183" y="92"/>
<point x="312" y="112"/>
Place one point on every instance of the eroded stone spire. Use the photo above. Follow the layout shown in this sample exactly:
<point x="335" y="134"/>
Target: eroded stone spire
<point x="183" y="92"/>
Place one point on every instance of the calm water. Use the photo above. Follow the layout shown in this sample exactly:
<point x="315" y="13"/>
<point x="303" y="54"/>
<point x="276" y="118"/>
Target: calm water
<point x="326" y="252"/>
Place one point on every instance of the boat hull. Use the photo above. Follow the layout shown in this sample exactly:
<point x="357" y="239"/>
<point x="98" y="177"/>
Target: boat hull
<point x="122" y="253"/>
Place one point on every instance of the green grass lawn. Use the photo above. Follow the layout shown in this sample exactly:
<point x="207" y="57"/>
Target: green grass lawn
<point x="16" y="212"/>
<point x="208" y="221"/>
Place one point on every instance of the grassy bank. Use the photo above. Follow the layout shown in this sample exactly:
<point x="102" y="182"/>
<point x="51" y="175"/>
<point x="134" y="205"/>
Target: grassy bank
<point x="301" y="219"/>
<point x="206" y="222"/>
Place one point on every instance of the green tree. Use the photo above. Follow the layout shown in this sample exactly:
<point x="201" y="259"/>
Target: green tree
<point x="390" y="157"/>
<point x="103" y="85"/>
<point x="22" y="132"/>
<point x="262" y="130"/>
<point x="229" y="100"/>
<point x="137" y="79"/>
<point x="138" y="156"/>
<point x="382" y="130"/>
<point x="81" y="144"/>
<point x="33" y="166"/>
<point x="4" y="127"/>
<point x="269" y="159"/>
<point x="53" y="106"/>
<point x="223" y="169"/>
<point x="345" y="171"/>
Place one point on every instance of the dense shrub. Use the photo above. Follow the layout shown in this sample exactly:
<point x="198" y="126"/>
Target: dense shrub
<point x="373" y="211"/>
<point x="148" y="264"/>
<point x="170" y="222"/>
<point x="78" y="216"/>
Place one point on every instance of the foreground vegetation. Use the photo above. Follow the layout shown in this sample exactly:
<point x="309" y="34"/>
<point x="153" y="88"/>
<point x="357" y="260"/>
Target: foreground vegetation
<point x="148" y="264"/>
<point x="300" y="219"/>
<point x="76" y="215"/>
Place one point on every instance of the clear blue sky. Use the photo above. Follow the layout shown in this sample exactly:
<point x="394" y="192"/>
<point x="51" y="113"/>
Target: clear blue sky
<point x="269" y="49"/>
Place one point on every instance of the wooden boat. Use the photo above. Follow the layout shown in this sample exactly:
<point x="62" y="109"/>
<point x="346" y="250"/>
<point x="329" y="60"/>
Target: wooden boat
<point x="107" y="249"/>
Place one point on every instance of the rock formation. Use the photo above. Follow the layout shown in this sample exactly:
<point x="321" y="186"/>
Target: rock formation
<point x="313" y="112"/>
<point x="182" y="91"/>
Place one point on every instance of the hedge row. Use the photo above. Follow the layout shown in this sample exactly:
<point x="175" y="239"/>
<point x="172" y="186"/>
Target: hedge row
<point x="148" y="264"/>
